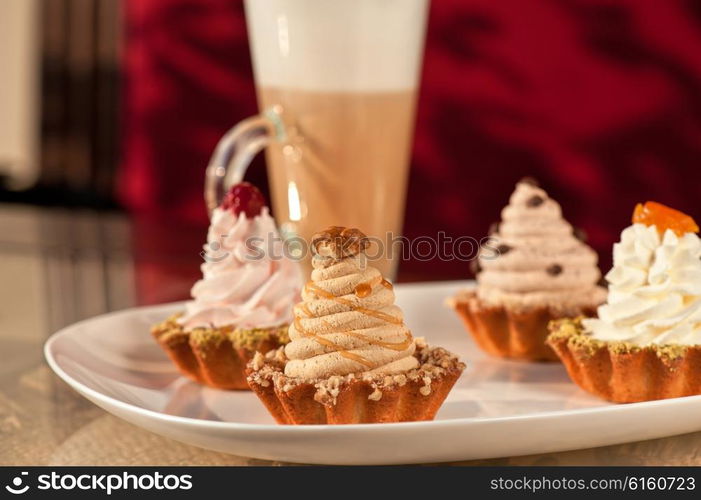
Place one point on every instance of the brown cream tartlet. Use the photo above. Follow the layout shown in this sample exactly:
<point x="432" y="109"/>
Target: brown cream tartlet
<point x="533" y="268"/>
<point x="356" y="398"/>
<point x="351" y="359"/>
<point x="511" y="332"/>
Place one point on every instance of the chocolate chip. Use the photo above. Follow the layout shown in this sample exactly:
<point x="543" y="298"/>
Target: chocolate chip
<point x="554" y="270"/>
<point x="493" y="228"/>
<point x="535" y="201"/>
<point x="475" y="266"/>
<point x="602" y="282"/>
<point x="531" y="181"/>
<point x="580" y="234"/>
<point x="503" y="249"/>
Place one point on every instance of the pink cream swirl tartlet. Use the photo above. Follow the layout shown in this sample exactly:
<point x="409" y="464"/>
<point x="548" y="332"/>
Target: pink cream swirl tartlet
<point x="242" y="305"/>
<point x="247" y="281"/>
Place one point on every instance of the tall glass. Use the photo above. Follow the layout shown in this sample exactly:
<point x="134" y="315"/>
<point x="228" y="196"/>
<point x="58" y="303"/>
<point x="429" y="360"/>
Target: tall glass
<point x="337" y="82"/>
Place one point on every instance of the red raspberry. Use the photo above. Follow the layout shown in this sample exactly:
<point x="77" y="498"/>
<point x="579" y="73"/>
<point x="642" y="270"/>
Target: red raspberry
<point x="244" y="197"/>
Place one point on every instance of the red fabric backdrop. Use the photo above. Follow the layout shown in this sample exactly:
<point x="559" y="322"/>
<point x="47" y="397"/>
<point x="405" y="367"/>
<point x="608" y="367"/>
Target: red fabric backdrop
<point x="599" y="99"/>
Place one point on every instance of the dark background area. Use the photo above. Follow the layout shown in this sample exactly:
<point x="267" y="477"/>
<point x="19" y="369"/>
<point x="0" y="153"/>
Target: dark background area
<point x="598" y="99"/>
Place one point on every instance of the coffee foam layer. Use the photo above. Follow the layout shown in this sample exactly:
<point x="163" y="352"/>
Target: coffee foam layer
<point x="329" y="45"/>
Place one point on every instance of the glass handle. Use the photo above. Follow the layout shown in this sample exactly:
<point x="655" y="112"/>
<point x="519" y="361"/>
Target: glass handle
<point x="235" y="151"/>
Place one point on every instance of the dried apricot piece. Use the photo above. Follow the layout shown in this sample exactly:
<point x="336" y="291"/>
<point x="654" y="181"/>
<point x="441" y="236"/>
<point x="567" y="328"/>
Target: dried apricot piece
<point x="663" y="217"/>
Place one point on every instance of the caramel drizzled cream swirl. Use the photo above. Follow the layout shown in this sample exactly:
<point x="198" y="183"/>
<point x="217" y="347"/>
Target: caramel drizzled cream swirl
<point x="347" y="321"/>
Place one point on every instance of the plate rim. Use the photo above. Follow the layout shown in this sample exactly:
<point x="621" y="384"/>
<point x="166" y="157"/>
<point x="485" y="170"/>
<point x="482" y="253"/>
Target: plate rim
<point x="540" y="417"/>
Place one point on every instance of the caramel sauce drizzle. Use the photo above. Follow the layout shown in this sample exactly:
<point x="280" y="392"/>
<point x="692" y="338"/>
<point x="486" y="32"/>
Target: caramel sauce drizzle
<point x="395" y="346"/>
<point x="305" y="310"/>
<point x="340" y="300"/>
<point x="361" y="290"/>
<point x="326" y="342"/>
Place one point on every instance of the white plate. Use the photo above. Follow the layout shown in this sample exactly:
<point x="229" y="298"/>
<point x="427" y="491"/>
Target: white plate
<point x="497" y="408"/>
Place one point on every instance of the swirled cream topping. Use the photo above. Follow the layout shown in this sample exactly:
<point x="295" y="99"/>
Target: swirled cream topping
<point x="247" y="281"/>
<point x="534" y="258"/>
<point x="347" y="322"/>
<point x="654" y="289"/>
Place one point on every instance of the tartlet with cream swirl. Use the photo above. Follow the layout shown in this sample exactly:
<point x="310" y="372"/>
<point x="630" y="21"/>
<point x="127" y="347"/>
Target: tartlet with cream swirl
<point x="645" y="343"/>
<point x="243" y="302"/>
<point x="351" y="358"/>
<point x="534" y="267"/>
